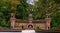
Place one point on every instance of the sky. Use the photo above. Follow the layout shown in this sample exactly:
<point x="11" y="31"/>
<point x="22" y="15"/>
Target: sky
<point x="30" y="2"/>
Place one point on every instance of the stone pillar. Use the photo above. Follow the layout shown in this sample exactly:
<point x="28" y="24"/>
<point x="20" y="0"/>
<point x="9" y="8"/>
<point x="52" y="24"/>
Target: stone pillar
<point x="48" y="21"/>
<point x="30" y="18"/>
<point x="12" y="20"/>
<point x="30" y="22"/>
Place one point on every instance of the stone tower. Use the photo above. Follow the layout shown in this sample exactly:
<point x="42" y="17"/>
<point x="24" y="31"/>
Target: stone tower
<point x="12" y="20"/>
<point x="48" y="21"/>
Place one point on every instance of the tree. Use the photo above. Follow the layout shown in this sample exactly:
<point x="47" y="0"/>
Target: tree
<point x="52" y="7"/>
<point x="22" y="12"/>
<point x="4" y="23"/>
<point x="5" y="10"/>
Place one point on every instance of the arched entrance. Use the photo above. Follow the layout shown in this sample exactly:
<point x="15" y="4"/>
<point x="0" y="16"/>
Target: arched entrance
<point x="30" y="26"/>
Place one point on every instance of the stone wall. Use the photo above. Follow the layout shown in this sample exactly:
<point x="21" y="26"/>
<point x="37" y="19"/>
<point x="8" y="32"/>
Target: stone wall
<point x="25" y="25"/>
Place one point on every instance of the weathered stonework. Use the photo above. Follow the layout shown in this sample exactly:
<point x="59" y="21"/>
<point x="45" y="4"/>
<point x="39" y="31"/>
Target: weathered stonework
<point x="28" y="24"/>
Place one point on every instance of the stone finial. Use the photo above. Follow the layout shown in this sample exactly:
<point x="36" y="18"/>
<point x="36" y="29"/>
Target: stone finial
<point x="47" y="15"/>
<point x="12" y="15"/>
<point x="30" y="15"/>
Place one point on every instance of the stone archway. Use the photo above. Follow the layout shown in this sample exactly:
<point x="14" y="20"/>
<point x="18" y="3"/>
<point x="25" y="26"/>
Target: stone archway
<point x="30" y="26"/>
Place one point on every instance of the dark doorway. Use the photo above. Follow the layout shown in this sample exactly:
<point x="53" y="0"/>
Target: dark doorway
<point x="22" y="27"/>
<point x="30" y="26"/>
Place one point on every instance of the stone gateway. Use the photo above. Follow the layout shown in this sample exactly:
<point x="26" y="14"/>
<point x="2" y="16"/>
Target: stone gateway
<point x="43" y="24"/>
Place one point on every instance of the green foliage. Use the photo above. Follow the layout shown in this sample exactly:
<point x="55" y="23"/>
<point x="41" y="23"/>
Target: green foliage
<point x="5" y="10"/>
<point x="37" y="28"/>
<point x="4" y="23"/>
<point x="22" y="13"/>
